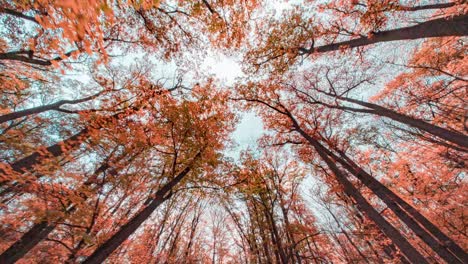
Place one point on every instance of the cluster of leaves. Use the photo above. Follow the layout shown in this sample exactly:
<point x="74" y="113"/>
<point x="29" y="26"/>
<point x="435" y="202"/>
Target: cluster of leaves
<point x="363" y="159"/>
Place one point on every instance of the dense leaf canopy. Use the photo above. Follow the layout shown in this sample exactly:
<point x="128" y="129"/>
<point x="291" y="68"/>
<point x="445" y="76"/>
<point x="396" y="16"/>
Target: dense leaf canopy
<point x="116" y="143"/>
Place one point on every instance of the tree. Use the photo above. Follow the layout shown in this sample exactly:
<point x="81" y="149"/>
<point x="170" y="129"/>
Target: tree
<point x="299" y="102"/>
<point x="272" y="101"/>
<point x="346" y="26"/>
<point x="115" y="146"/>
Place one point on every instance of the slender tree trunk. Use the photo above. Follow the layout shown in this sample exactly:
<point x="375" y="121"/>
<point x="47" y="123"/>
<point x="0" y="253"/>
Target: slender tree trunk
<point x="27" y="163"/>
<point x="409" y="215"/>
<point x="252" y="237"/>
<point x="376" y="254"/>
<point x="440" y="27"/>
<point x="27" y="242"/>
<point x="193" y="229"/>
<point x="388" y="248"/>
<point x="287" y="226"/>
<point x="41" y="230"/>
<point x="265" y="242"/>
<point x="363" y="205"/>
<point x="276" y="237"/>
<point x="427" y="7"/>
<point x="344" y="250"/>
<point x="23" y="56"/>
<point x="43" y="108"/>
<point x="18" y="14"/>
<point x="103" y="251"/>
<point x="451" y="136"/>
<point x="348" y="237"/>
<point x="268" y="202"/>
<point x="312" y="252"/>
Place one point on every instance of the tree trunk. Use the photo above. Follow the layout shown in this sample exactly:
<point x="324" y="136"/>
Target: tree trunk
<point x="409" y="215"/>
<point x="27" y="242"/>
<point x="276" y="237"/>
<point x="363" y="205"/>
<point x="43" y="108"/>
<point x="103" y="251"/>
<point x="440" y="27"/>
<point x="348" y="237"/>
<point x="27" y="163"/>
<point x="23" y="56"/>
<point x="41" y="230"/>
<point x="427" y="7"/>
<point x="451" y="136"/>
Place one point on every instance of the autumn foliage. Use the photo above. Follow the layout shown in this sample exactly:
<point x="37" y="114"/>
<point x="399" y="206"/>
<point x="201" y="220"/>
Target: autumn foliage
<point x="117" y="146"/>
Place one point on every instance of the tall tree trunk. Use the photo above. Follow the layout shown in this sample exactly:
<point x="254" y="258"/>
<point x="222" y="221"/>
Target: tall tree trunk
<point x="344" y="250"/>
<point x="27" y="163"/>
<point x="426" y="7"/>
<point x="276" y="237"/>
<point x="451" y="136"/>
<point x="363" y="205"/>
<point x="292" y="251"/>
<point x="23" y="56"/>
<point x="40" y="109"/>
<point x="265" y="242"/>
<point x="103" y="251"/>
<point x="440" y="27"/>
<point x="27" y="242"/>
<point x="41" y="230"/>
<point x="409" y="215"/>
<point x="348" y="237"/>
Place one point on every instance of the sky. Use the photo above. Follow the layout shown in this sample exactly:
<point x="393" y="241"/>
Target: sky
<point x="227" y="70"/>
<point x="250" y="126"/>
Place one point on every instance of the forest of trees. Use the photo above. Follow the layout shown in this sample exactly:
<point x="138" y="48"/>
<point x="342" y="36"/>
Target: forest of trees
<point x="116" y="143"/>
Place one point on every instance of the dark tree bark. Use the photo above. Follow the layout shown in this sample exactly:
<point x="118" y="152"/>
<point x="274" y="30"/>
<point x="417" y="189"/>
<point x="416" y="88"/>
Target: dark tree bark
<point x="40" y="109"/>
<point x="348" y="237"/>
<point x="427" y="7"/>
<point x="18" y="14"/>
<point x="419" y="224"/>
<point x="451" y="136"/>
<point x="440" y="27"/>
<point x="41" y="230"/>
<point x="27" y="163"/>
<point x="27" y="242"/>
<point x="23" y="56"/>
<point x="103" y="251"/>
<point x="363" y="205"/>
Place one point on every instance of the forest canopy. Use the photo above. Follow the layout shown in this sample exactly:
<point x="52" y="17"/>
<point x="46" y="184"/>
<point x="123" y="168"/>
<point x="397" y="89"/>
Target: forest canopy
<point x="117" y="134"/>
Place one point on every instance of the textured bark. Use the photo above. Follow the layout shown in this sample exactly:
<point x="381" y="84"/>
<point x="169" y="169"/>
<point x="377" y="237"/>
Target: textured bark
<point x="451" y="136"/>
<point x="103" y="251"/>
<point x="276" y="239"/>
<point x="348" y="237"/>
<point x="41" y="230"/>
<point x="40" y="109"/>
<point x="440" y="243"/>
<point x="440" y="27"/>
<point x="24" y="56"/>
<point x="427" y="7"/>
<point x="27" y="163"/>
<point x="363" y="205"/>
<point x="26" y="243"/>
<point x="18" y="14"/>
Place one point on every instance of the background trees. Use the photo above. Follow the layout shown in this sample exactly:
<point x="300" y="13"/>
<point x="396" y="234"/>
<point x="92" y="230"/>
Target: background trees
<point x="105" y="159"/>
